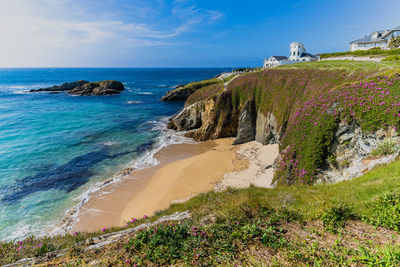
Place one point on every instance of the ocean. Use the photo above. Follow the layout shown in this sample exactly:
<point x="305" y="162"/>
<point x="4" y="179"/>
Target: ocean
<point x="56" y="147"/>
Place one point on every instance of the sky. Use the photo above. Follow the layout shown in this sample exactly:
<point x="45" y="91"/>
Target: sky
<point x="180" y="33"/>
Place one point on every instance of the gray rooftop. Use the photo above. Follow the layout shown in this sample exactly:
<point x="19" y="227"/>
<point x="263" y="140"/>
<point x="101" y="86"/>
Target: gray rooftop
<point x="308" y="55"/>
<point x="381" y="35"/>
<point x="280" y="57"/>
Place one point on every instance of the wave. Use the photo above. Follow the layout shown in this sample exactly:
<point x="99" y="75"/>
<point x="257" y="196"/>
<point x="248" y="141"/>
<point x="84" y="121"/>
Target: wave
<point x="165" y="138"/>
<point x="134" y="102"/>
<point x="145" y="93"/>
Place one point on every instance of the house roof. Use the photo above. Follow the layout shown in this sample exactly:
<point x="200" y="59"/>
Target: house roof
<point x="307" y="55"/>
<point x="280" y="57"/>
<point x="382" y="34"/>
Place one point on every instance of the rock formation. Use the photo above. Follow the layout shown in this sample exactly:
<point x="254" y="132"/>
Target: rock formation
<point x="85" y="88"/>
<point x="208" y="119"/>
<point x="246" y="131"/>
<point x="182" y="92"/>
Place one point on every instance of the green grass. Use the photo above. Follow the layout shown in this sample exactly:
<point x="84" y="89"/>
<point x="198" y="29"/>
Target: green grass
<point x="309" y="201"/>
<point x="392" y="58"/>
<point x="371" y="52"/>
<point x="205" y="92"/>
<point x="256" y="220"/>
<point x="350" y="66"/>
<point x="250" y="220"/>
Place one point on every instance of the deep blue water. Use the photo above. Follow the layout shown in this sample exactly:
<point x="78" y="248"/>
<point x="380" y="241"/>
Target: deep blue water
<point x="54" y="147"/>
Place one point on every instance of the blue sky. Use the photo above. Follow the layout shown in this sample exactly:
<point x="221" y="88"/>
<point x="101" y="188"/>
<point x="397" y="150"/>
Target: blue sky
<point x="180" y="33"/>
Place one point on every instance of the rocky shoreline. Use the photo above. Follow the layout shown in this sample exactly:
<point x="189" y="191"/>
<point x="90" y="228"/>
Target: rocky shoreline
<point x="85" y="88"/>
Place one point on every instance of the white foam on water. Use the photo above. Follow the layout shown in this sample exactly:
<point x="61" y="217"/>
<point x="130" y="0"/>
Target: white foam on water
<point x="110" y="143"/>
<point x="134" y="102"/>
<point x="166" y="137"/>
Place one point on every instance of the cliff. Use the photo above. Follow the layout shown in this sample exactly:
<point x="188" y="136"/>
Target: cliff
<point x="331" y="125"/>
<point x="182" y="92"/>
<point x="327" y="121"/>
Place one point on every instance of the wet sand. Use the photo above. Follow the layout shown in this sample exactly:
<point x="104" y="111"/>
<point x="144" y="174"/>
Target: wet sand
<point x="185" y="170"/>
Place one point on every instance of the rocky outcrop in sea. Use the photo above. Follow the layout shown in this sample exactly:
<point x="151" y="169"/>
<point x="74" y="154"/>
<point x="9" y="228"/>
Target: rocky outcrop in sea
<point x="85" y="88"/>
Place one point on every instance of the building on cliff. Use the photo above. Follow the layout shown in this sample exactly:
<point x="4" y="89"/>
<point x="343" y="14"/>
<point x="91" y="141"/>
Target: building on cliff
<point x="376" y="39"/>
<point x="297" y="54"/>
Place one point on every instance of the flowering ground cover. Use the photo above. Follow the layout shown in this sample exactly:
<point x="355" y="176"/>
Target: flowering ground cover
<point x="350" y="223"/>
<point x="374" y="104"/>
<point x="311" y="102"/>
<point x="354" y="222"/>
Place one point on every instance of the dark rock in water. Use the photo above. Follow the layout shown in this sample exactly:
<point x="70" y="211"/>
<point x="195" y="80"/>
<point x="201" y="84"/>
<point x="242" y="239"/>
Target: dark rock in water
<point x="85" y="88"/>
<point x="109" y="87"/>
<point x="60" y="88"/>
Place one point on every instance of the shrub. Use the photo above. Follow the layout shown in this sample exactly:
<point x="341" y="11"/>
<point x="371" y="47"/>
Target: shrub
<point x="213" y="244"/>
<point x="385" y="211"/>
<point x="394" y="42"/>
<point x="336" y="216"/>
<point x="387" y="147"/>
<point x="392" y="58"/>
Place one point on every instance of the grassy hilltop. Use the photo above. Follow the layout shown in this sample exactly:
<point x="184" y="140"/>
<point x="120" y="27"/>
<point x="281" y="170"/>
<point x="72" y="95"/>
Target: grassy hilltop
<point x="355" y="222"/>
<point x="373" y="52"/>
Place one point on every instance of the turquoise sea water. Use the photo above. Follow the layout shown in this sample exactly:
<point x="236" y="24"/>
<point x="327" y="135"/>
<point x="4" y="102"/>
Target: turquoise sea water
<point x="54" y="147"/>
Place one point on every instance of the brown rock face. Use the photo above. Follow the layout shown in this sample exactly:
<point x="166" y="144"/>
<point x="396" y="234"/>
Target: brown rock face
<point x="246" y="131"/>
<point x="267" y="129"/>
<point x="85" y="88"/>
<point x="208" y="119"/>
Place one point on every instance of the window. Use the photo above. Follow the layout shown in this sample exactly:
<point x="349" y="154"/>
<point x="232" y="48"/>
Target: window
<point x="298" y="53"/>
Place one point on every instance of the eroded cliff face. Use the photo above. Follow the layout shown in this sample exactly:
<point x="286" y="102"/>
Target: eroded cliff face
<point x="348" y="156"/>
<point x="208" y="119"/>
<point x="318" y="133"/>
<point x="351" y="149"/>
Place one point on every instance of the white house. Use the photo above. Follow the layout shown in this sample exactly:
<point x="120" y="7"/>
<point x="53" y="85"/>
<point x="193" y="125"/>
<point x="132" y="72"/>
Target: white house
<point x="297" y="54"/>
<point x="376" y="39"/>
<point x="274" y="61"/>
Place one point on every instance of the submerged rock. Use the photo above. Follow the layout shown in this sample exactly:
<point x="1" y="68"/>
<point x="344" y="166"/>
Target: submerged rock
<point x="85" y="88"/>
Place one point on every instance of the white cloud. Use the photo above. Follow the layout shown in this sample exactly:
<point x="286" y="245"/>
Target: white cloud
<point x="31" y="30"/>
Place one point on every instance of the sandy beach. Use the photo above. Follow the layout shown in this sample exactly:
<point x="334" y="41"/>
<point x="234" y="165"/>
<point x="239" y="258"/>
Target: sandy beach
<point x="185" y="170"/>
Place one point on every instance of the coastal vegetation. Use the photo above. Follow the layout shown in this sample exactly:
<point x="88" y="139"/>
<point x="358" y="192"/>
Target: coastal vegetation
<point x="301" y="221"/>
<point x="355" y="222"/>
<point x="182" y="92"/>
<point x="374" y="52"/>
<point x="392" y="58"/>
<point x="308" y="102"/>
